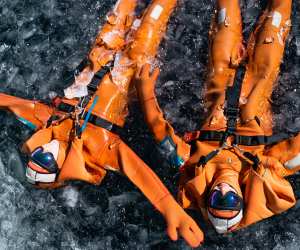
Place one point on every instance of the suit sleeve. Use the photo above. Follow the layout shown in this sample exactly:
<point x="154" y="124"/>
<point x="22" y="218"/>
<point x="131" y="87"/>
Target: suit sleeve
<point x="171" y="145"/>
<point x="288" y="153"/>
<point x="31" y="113"/>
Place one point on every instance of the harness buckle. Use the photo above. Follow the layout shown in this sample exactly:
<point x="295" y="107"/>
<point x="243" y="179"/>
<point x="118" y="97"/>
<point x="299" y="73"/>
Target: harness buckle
<point x="231" y="112"/>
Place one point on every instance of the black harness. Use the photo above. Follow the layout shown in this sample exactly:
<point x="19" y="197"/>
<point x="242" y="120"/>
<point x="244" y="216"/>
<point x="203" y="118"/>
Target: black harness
<point x="93" y="119"/>
<point x="231" y="112"/>
<point x="92" y="87"/>
<point x="206" y="135"/>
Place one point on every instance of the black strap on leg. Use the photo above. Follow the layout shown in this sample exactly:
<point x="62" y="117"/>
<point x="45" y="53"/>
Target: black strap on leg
<point x="232" y="101"/>
<point x="93" y="85"/>
<point x="231" y="112"/>
<point x="96" y="80"/>
<point x="82" y="65"/>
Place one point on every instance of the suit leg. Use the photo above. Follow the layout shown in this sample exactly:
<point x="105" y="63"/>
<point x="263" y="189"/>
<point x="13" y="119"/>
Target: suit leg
<point x="226" y="51"/>
<point x="265" y="49"/>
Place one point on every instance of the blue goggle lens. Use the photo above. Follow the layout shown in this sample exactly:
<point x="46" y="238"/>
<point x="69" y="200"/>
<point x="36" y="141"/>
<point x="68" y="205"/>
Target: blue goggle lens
<point x="44" y="159"/>
<point x="230" y="201"/>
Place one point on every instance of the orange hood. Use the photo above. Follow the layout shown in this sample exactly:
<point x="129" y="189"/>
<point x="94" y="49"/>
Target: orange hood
<point x="264" y="192"/>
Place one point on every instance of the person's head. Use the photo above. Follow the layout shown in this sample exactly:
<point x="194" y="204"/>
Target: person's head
<point x="44" y="162"/>
<point x="224" y="207"/>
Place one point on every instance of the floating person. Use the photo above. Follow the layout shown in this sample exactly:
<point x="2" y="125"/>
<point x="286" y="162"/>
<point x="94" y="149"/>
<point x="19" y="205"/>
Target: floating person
<point x="233" y="170"/>
<point x="76" y="138"/>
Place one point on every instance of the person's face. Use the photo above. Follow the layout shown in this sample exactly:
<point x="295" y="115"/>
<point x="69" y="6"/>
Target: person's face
<point x="231" y="200"/>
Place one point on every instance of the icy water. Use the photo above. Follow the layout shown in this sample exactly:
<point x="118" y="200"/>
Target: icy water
<point x="40" y="41"/>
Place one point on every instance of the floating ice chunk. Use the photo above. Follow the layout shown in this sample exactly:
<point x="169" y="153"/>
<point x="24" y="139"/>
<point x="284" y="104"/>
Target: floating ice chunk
<point x="28" y="33"/>
<point x="168" y="83"/>
<point x="298" y="45"/>
<point x="12" y="74"/>
<point x="3" y="47"/>
<point x="85" y="77"/>
<point x="70" y="195"/>
<point x="15" y="166"/>
<point x="122" y="199"/>
<point x="52" y="94"/>
<point x="76" y="91"/>
<point x="251" y="3"/>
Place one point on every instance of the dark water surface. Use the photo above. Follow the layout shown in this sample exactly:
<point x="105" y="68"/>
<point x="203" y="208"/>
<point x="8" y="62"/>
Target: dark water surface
<point x="40" y="41"/>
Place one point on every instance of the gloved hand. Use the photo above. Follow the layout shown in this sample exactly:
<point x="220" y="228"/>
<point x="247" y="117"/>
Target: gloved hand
<point x="179" y="222"/>
<point x="145" y="82"/>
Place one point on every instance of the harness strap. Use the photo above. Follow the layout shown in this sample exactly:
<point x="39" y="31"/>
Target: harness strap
<point x="253" y="158"/>
<point x="231" y="112"/>
<point x="206" y="135"/>
<point x="206" y="158"/>
<point x="93" y="85"/>
<point x="82" y="65"/>
<point x="232" y="98"/>
<point x="93" y="119"/>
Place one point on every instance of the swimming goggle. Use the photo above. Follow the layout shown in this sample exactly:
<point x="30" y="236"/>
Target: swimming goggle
<point x="44" y="159"/>
<point x="229" y="201"/>
<point x="42" y="167"/>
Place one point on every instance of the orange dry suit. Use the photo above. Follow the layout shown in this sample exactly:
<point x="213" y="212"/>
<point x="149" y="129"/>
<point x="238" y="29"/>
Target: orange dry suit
<point x="235" y="145"/>
<point x="84" y="129"/>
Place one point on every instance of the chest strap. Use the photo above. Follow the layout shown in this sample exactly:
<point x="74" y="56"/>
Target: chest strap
<point x="93" y="119"/>
<point x="206" y="135"/>
<point x="232" y="98"/>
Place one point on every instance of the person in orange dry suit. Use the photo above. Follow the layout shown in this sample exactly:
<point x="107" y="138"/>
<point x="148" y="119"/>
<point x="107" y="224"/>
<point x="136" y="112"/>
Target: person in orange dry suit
<point x="233" y="169"/>
<point x="77" y="137"/>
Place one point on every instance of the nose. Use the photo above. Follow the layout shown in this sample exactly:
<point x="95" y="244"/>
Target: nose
<point x="224" y="188"/>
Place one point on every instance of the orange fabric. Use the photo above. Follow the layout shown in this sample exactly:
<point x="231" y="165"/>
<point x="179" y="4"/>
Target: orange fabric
<point x="145" y="84"/>
<point x="98" y="150"/>
<point x="226" y="50"/>
<point x="113" y="34"/>
<point x="36" y="113"/>
<point x="116" y="85"/>
<point x="265" y="191"/>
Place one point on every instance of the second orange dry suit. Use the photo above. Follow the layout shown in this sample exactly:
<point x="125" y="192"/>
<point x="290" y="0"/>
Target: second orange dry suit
<point x="250" y="158"/>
